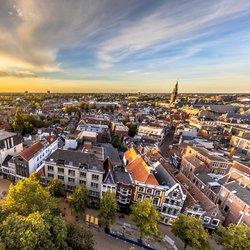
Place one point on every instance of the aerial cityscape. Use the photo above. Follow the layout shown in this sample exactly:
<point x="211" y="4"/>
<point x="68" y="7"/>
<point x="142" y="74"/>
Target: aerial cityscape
<point x="124" y="125"/>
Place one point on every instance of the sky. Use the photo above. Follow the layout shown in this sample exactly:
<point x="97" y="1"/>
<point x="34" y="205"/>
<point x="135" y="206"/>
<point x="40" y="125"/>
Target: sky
<point x="125" y="46"/>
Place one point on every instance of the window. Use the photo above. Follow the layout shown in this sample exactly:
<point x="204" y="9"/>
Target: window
<point x="169" y="210"/>
<point x="71" y="188"/>
<point x="226" y="208"/>
<point x="71" y="180"/>
<point x="82" y="182"/>
<point x="60" y="177"/>
<point x="60" y="170"/>
<point x="175" y="211"/>
<point x="50" y="168"/>
<point x="157" y="192"/>
<point x="93" y="193"/>
<point x="94" y="185"/>
<point x="175" y="193"/>
<point x="156" y="202"/>
<point x="215" y="222"/>
<point x="149" y="191"/>
<point x="219" y="201"/>
<point x="83" y="174"/>
<point x="230" y="199"/>
<point x="50" y="175"/>
<point x="214" y="214"/>
<point x="167" y="200"/>
<point x="139" y="197"/>
<point x="206" y="219"/>
<point x="95" y="177"/>
<point x="141" y="189"/>
<point x="71" y="172"/>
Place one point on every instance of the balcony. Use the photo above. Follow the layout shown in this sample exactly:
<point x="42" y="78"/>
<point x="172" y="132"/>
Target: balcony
<point x="124" y="192"/>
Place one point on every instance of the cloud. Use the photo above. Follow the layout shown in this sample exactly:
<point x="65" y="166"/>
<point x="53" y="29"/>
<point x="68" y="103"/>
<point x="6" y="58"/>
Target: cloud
<point x="170" y="23"/>
<point x="18" y="74"/>
<point x="34" y="32"/>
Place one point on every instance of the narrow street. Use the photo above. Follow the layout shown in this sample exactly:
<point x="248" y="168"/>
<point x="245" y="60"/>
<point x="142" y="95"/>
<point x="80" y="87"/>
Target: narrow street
<point x="167" y="141"/>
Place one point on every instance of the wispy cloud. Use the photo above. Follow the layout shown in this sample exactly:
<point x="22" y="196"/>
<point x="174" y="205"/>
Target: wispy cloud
<point x="18" y="74"/>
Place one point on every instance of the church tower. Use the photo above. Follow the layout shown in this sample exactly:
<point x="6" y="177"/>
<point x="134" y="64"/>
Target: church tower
<point x="174" y="94"/>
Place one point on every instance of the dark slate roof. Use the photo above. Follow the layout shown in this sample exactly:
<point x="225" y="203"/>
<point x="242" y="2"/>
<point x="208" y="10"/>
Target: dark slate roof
<point x="163" y="177"/>
<point x="7" y="159"/>
<point x="122" y="176"/>
<point x="238" y="116"/>
<point x="241" y="192"/>
<point x="76" y="159"/>
<point x="204" y="177"/>
<point x="111" y="153"/>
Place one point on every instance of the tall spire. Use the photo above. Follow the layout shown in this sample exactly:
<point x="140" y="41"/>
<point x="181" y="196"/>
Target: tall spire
<point x="174" y="93"/>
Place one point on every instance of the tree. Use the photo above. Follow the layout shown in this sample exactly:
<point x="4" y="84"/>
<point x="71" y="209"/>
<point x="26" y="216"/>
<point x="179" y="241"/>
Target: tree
<point x="191" y="231"/>
<point x="33" y="232"/>
<point x="80" y="238"/>
<point x="146" y="217"/>
<point x="84" y="105"/>
<point x="233" y="237"/>
<point x="108" y="208"/>
<point x="117" y="141"/>
<point x="80" y="199"/>
<point x="28" y="196"/>
<point x="132" y="129"/>
<point x="18" y="123"/>
<point x="55" y="188"/>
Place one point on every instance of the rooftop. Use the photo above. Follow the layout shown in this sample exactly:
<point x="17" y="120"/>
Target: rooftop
<point x="122" y="176"/>
<point x="241" y="192"/>
<point x="76" y="159"/>
<point x="5" y="134"/>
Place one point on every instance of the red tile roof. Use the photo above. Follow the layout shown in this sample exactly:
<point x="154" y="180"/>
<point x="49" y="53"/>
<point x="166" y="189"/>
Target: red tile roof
<point x="130" y="154"/>
<point x="50" y="139"/>
<point x="152" y="180"/>
<point x="29" y="152"/>
<point x="138" y="169"/>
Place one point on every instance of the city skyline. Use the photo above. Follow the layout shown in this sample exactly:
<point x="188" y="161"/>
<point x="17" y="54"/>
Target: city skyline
<point x="125" y="46"/>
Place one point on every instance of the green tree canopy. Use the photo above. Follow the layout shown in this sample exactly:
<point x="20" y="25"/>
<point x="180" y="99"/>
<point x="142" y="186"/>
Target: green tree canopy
<point x="108" y="208"/>
<point x="146" y="217"/>
<point x="191" y="231"/>
<point x="80" y="199"/>
<point x="55" y="188"/>
<point x="233" y="237"/>
<point x="28" y="196"/>
<point x="18" y="122"/>
<point x="33" y="232"/>
<point x="80" y="238"/>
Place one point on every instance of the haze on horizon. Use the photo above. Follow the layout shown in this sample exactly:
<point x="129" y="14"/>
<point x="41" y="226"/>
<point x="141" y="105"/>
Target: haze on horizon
<point x="125" y="46"/>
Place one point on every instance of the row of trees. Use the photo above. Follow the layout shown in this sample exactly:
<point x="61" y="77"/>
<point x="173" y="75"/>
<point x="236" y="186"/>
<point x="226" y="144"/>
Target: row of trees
<point x="191" y="231"/>
<point x="146" y="217"/>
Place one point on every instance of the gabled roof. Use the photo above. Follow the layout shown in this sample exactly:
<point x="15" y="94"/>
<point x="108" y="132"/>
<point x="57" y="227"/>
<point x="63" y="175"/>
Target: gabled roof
<point x="130" y="154"/>
<point x="152" y="180"/>
<point x="138" y="169"/>
<point x="30" y="152"/>
<point x="109" y="178"/>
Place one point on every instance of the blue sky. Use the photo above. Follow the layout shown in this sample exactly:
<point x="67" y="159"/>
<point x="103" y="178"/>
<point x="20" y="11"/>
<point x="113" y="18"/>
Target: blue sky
<point x="116" y="45"/>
